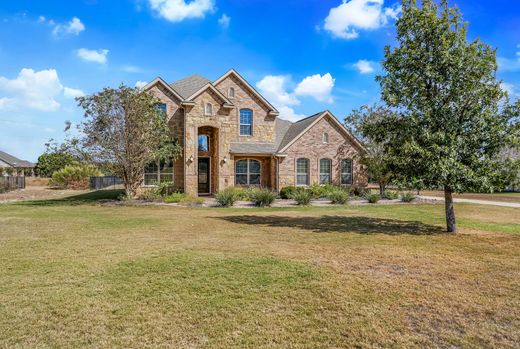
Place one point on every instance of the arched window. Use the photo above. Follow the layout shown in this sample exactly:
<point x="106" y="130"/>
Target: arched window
<point x="302" y="171"/>
<point x="246" y="122"/>
<point x="346" y="172"/>
<point x="325" y="171"/>
<point x="203" y="143"/>
<point x="247" y="172"/>
<point x="231" y="92"/>
<point x="325" y="137"/>
<point x="208" y="110"/>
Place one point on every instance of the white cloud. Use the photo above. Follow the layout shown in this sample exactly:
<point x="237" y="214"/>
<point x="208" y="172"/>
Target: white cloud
<point x="140" y="84"/>
<point x="72" y="92"/>
<point x="224" y="21"/>
<point x="99" y="56"/>
<point x="73" y="27"/>
<point x="511" y="89"/>
<point x="317" y="86"/>
<point x="347" y="19"/>
<point x="275" y="88"/>
<point x="41" y="19"/>
<point x="364" y="66"/>
<point x="179" y="10"/>
<point x="131" y="69"/>
<point x="35" y="90"/>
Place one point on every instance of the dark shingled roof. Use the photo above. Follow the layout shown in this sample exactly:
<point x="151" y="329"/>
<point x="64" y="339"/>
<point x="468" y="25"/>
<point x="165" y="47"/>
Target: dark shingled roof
<point x="296" y="128"/>
<point x="285" y="130"/>
<point x="188" y="86"/>
<point x="14" y="161"/>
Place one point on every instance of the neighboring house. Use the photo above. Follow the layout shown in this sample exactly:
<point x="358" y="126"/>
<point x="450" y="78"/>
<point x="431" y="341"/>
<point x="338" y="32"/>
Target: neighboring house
<point x="232" y="136"/>
<point x="12" y="165"/>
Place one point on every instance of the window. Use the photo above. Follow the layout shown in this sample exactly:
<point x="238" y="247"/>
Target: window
<point x="231" y="92"/>
<point x="158" y="172"/>
<point x="208" y="110"/>
<point x="325" y="137"/>
<point x="161" y="107"/>
<point x="203" y="143"/>
<point x="346" y="172"/>
<point x="302" y="172"/>
<point x="325" y="171"/>
<point x="247" y="172"/>
<point x="246" y="122"/>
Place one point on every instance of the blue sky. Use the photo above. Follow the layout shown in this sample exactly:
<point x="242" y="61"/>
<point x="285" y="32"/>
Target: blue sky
<point x="303" y="55"/>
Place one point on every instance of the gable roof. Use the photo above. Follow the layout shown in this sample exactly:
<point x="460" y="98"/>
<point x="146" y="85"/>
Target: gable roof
<point x="188" y="86"/>
<point x="273" y="110"/>
<point x="227" y="102"/>
<point x="299" y="128"/>
<point x="281" y="127"/>
<point x="162" y="82"/>
<point x="14" y="161"/>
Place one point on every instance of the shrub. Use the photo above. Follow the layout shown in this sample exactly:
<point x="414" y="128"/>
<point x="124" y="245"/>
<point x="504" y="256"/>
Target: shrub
<point x="408" y="197"/>
<point x="74" y="176"/>
<point x="263" y="197"/>
<point x="244" y="194"/>
<point x="338" y="196"/>
<point x="390" y="195"/>
<point x="149" y="195"/>
<point x="302" y="196"/>
<point x="287" y="192"/>
<point x="175" y="198"/>
<point x="227" y="197"/>
<point x="373" y="198"/>
<point x="165" y="189"/>
<point x="358" y="191"/>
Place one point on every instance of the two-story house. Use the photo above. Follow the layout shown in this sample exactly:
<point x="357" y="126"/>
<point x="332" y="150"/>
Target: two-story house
<point x="232" y="136"/>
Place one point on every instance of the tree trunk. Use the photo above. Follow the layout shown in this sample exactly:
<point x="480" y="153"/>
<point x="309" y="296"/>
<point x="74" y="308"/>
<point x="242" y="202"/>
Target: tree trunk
<point x="382" y="188"/>
<point x="450" y="212"/>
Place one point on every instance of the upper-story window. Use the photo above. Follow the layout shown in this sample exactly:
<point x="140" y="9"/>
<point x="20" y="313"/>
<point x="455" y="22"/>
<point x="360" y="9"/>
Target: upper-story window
<point x="325" y="137"/>
<point x="231" y="92"/>
<point x="208" y="109"/>
<point x="203" y="143"/>
<point x="246" y="122"/>
<point x="161" y="108"/>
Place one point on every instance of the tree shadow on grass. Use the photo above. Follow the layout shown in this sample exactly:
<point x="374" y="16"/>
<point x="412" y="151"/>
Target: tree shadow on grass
<point x="80" y="199"/>
<point x="330" y="224"/>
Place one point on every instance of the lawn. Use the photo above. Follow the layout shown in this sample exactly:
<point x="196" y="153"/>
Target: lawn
<point x="77" y="274"/>
<point x="502" y="197"/>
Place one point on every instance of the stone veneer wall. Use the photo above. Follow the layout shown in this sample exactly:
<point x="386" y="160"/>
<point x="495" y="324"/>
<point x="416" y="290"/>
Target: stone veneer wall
<point x="311" y="146"/>
<point x="175" y="115"/>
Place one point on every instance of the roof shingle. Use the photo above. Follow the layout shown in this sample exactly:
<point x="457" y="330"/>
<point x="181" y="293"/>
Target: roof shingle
<point x="188" y="86"/>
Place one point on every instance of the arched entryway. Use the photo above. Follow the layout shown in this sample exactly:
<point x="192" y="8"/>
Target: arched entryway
<point x="207" y="160"/>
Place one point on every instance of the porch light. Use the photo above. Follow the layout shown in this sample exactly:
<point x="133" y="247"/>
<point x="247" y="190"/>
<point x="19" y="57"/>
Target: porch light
<point x="191" y="159"/>
<point x="225" y="159"/>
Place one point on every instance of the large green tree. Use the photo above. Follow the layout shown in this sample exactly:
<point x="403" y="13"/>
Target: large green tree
<point x="124" y="131"/>
<point x="453" y="118"/>
<point x="364" y="123"/>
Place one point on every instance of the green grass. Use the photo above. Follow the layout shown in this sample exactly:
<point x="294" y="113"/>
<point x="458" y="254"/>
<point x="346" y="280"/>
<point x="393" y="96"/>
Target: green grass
<point x="74" y="273"/>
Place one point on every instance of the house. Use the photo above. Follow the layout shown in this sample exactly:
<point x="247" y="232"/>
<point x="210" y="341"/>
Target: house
<point x="12" y="165"/>
<point x="232" y="136"/>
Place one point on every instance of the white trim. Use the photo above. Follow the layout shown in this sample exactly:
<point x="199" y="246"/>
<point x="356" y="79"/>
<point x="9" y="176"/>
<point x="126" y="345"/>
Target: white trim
<point x="206" y="105"/>
<point x="335" y="121"/>
<point x="231" y="88"/>
<point x="351" y="171"/>
<point x="248" y="172"/>
<point x="330" y="171"/>
<point x="296" y="172"/>
<point x="162" y="82"/>
<point x="273" y="111"/>
<point x="240" y="123"/>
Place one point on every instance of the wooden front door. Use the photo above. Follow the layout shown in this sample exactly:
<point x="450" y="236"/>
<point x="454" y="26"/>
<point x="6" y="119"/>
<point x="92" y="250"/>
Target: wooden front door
<point x="204" y="176"/>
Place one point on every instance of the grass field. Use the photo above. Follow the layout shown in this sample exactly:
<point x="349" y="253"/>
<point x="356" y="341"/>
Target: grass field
<point x="77" y="274"/>
<point x="503" y="197"/>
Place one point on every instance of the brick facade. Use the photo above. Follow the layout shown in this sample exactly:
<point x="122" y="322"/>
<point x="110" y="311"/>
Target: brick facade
<point x="187" y="121"/>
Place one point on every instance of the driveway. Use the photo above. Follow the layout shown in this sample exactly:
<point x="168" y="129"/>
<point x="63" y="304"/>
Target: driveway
<point x="474" y="201"/>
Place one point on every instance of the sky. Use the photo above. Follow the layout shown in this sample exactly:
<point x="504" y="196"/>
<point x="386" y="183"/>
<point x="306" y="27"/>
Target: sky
<point x="303" y="55"/>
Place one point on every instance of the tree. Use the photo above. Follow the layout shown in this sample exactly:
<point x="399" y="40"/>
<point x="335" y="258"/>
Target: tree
<point x="364" y="123"/>
<point x="50" y="162"/>
<point x="124" y="131"/>
<point x="452" y="117"/>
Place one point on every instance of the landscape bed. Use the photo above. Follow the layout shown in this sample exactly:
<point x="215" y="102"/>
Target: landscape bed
<point x="74" y="273"/>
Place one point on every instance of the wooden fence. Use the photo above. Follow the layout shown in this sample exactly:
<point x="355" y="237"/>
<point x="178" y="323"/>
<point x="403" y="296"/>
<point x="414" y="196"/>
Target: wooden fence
<point x="11" y="183"/>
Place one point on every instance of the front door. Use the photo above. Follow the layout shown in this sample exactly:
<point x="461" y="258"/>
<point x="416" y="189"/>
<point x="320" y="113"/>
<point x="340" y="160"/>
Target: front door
<point x="204" y="176"/>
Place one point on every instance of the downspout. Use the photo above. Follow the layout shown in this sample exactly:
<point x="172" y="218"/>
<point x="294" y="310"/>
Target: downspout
<point x="277" y="174"/>
<point x="184" y="147"/>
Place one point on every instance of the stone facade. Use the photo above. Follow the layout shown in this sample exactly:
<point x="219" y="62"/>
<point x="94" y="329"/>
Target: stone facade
<point x="311" y="146"/>
<point x="188" y="120"/>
